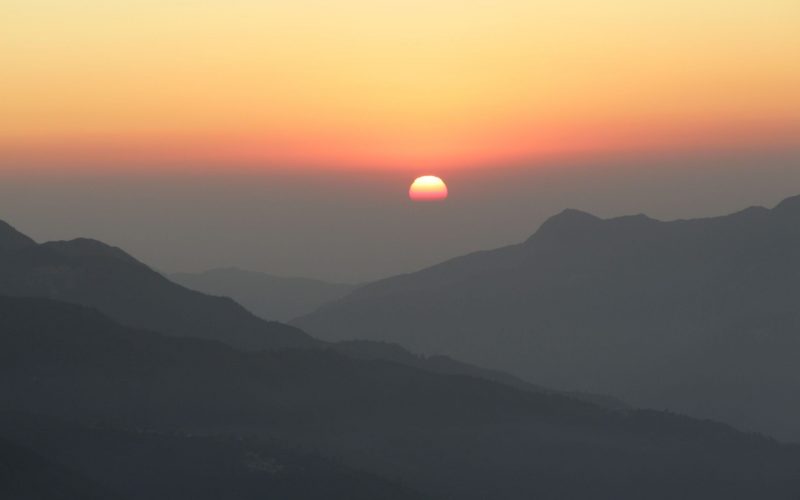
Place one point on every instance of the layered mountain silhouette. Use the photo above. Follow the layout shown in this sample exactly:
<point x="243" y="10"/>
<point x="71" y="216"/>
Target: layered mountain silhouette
<point x="270" y="297"/>
<point x="89" y="272"/>
<point x="447" y="436"/>
<point x="698" y="316"/>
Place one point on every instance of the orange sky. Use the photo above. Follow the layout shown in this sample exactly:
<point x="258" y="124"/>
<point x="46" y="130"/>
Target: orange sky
<point x="390" y="84"/>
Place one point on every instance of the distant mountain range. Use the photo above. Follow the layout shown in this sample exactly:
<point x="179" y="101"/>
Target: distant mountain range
<point x="138" y="397"/>
<point x="270" y="297"/>
<point x="698" y="316"/>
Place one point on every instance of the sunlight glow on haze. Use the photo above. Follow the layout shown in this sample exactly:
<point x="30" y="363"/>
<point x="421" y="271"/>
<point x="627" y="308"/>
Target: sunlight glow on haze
<point x="389" y="83"/>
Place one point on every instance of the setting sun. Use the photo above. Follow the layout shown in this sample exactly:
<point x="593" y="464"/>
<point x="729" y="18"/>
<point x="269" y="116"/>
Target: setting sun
<point x="427" y="188"/>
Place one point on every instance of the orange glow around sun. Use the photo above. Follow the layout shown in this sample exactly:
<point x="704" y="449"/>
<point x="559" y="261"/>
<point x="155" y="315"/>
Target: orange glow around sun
<point x="427" y="188"/>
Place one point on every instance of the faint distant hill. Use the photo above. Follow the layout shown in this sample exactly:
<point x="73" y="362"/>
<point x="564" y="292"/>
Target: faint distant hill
<point x="270" y="297"/>
<point x="699" y="316"/>
<point x="89" y="272"/>
<point x="447" y="436"/>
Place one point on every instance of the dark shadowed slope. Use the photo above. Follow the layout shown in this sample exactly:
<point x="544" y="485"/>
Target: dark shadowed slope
<point x="89" y="272"/>
<point x="447" y="436"/>
<point x="25" y="475"/>
<point x="372" y="350"/>
<point x="699" y="316"/>
<point x="270" y="297"/>
<point x="155" y="466"/>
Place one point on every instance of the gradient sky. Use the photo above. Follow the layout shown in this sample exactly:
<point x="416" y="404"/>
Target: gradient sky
<point x="410" y="84"/>
<point x="282" y="136"/>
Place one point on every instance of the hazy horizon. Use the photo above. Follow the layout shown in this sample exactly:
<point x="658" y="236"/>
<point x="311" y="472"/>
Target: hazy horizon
<point x="355" y="226"/>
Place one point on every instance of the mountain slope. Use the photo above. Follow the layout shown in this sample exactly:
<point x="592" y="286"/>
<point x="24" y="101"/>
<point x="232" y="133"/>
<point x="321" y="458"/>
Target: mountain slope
<point x="269" y="297"/>
<point x="156" y="466"/>
<point x="699" y="316"/>
<point x="371" y="350"/>
<point x="12" y="240"/>
<point x="25" y="475"/>
<point x="445" y="435"/>
<point x="91" y="273"/>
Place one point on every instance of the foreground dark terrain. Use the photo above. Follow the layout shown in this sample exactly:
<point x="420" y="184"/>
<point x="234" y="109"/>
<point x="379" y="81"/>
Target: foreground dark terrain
<point x="148" y="464"/>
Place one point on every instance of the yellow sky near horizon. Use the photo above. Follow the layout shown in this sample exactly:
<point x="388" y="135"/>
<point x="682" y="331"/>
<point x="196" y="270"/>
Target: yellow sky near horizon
<point x="386" y="83"/>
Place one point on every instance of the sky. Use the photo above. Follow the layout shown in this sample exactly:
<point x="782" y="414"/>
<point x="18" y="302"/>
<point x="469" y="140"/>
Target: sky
<point x="389" y="83"/>
<point x="282" y="136"/>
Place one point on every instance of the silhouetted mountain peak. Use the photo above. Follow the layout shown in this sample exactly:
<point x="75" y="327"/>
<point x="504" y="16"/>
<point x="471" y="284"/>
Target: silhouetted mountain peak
<point x="569" y="222"/>
<point x="11" y="239"/>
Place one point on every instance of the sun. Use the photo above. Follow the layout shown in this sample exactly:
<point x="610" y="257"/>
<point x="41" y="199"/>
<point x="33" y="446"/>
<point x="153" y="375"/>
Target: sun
<point x="427" y="188"/>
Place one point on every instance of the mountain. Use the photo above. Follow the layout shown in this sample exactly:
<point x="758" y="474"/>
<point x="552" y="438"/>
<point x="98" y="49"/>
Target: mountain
<point x="88" y="272"/>
<point x="158" y="466"/>
<point x="269" y="297"/>
<point x="698" y="316"/>
<point x="447" y="436"/>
